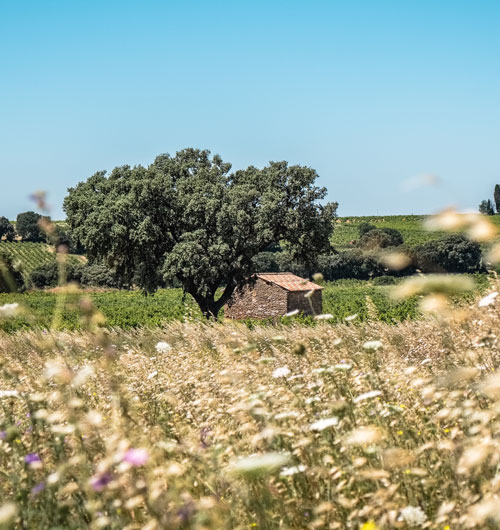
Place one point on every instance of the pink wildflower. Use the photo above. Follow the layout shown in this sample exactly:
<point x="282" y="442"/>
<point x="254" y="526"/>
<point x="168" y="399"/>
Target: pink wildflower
<point x="136" y="457"/>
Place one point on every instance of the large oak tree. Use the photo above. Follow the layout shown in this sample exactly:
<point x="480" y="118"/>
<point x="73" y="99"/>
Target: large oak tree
<point x="187" y="217"/>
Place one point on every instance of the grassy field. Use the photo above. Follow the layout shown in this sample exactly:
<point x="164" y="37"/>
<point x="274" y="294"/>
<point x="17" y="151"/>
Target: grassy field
<point x="410" y="226"/>
<point x="218" y="426"/>
<point x="131" y="309"/>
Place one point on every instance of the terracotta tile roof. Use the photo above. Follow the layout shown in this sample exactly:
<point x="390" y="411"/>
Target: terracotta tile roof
<point x="288" y="281"/>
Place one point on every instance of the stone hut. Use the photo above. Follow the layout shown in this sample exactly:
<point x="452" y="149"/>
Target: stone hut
<point x="274" y="294"/>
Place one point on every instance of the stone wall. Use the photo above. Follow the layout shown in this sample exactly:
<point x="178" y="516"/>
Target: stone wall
<point x="265" y="300"/>
<point x="257" y="300"/>
<point x="297" y="300"/>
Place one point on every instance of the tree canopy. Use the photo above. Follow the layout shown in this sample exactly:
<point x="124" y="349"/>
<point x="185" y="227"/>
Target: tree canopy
<point x="453" y="253"/>
<point x="189" y="218"/>
<point x="11" y="278"/>
<point x="486" y="207"/>
<point x="496" y="197"/>
<point x="27" y="226"/>
<point x="6" y="229"/>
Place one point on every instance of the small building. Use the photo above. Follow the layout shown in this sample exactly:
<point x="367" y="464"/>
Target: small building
<point x="274" y="294"/>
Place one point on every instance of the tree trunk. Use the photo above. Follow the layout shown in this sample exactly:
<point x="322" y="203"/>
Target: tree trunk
<point x="207" y="308"/>
<point x="210" y="307"/>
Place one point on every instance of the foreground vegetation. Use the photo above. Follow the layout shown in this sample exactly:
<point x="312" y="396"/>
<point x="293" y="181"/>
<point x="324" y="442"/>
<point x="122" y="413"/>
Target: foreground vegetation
<point x="218" y="426"/>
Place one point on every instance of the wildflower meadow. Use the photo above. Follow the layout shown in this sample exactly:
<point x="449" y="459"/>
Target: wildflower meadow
<point x="210" y="425"/>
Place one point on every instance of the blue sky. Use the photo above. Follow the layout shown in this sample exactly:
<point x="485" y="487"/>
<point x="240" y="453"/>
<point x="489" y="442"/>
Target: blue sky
<point x="369" y="93"/>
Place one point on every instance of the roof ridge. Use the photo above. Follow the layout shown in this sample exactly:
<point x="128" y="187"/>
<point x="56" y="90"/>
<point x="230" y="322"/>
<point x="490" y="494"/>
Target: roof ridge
<point x="278" y="273"/>
<point x="290" y="281"/>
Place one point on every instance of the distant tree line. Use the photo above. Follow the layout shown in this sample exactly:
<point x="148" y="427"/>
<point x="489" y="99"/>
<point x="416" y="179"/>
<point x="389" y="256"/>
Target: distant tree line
<point x="488" y="207"/>
<point x="33" y="227"/>
<point x="188" y="221"/>
<point x="371" y="257"/>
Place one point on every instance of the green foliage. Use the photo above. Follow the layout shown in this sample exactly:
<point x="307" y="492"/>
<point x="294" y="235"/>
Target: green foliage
<point x="133" y="309"/>
<point x="486" y="207"/>
<point x="378" y="238"/>
<point x="95" y="275"/>
<point x="6" y="229"/>
<point x="384" y="280"/>
<point x="98" y="275"/>
<point x="395" y="235"/>
<point x="27" y="226"/>
<point x="122" y="309"/>
<point x="45" y="275"/>
<point x="365" y="227"/>
<point x="60" y="236"/>
<point x="350" y="264"/>
<point x="11" y="279"/>
<point x="187" y="218"/>
<point x="496" y="197"/>
<point x="453" y="253"/>
<point x="266" y="262"/>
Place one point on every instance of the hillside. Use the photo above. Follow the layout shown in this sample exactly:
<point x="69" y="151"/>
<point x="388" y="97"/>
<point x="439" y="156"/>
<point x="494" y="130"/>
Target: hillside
<point x="32" y="255"/>
<point x="410" y="226"/>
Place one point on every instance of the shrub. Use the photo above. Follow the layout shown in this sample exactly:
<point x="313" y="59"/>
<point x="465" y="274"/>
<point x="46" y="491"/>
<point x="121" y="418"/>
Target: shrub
<point x="454" y="253"/>
<point x="349" y="264"/>
<point x="6" y="229"/>
<point x="384" y="280"/>
<point x="45" y="275"/>
<point x="396" y="236"/>
<point x="27" y="226"/>
<point x="59" y="236"/>
<point x="11" y="278"/>
<point x="98" y="275"/>
<point x="365" y="227"/>
<point x="400" y="262"/>
<point x="380" y="238"/>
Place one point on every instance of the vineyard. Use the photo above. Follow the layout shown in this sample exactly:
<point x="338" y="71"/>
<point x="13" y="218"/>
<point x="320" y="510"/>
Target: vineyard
<point x="411" y="227"/>
<point x="346" y="300"/>
<point x="30" y="255"/>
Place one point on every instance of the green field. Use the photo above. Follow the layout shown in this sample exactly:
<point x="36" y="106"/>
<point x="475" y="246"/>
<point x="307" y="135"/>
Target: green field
<point x="132" y="309"/>
<point x="411" y="227"/>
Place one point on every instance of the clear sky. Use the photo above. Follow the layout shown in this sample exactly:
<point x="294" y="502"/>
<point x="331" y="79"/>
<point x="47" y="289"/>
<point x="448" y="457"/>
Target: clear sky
<point x="370" y="93"/>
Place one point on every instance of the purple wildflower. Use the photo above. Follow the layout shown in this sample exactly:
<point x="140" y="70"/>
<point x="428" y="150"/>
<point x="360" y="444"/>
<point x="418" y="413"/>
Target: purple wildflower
<point x="186" y="511"/>
<point x="99" y="482"/>
<point x="32" y="458"/>
<point x="136" y="457"/>
<point x="37" y="489"/>
<point x="3" y="434"/>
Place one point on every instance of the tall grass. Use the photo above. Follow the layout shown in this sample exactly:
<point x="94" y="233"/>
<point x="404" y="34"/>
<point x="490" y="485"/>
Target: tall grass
<point x="349" y="426"/>
<point x="217" y="426"/>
